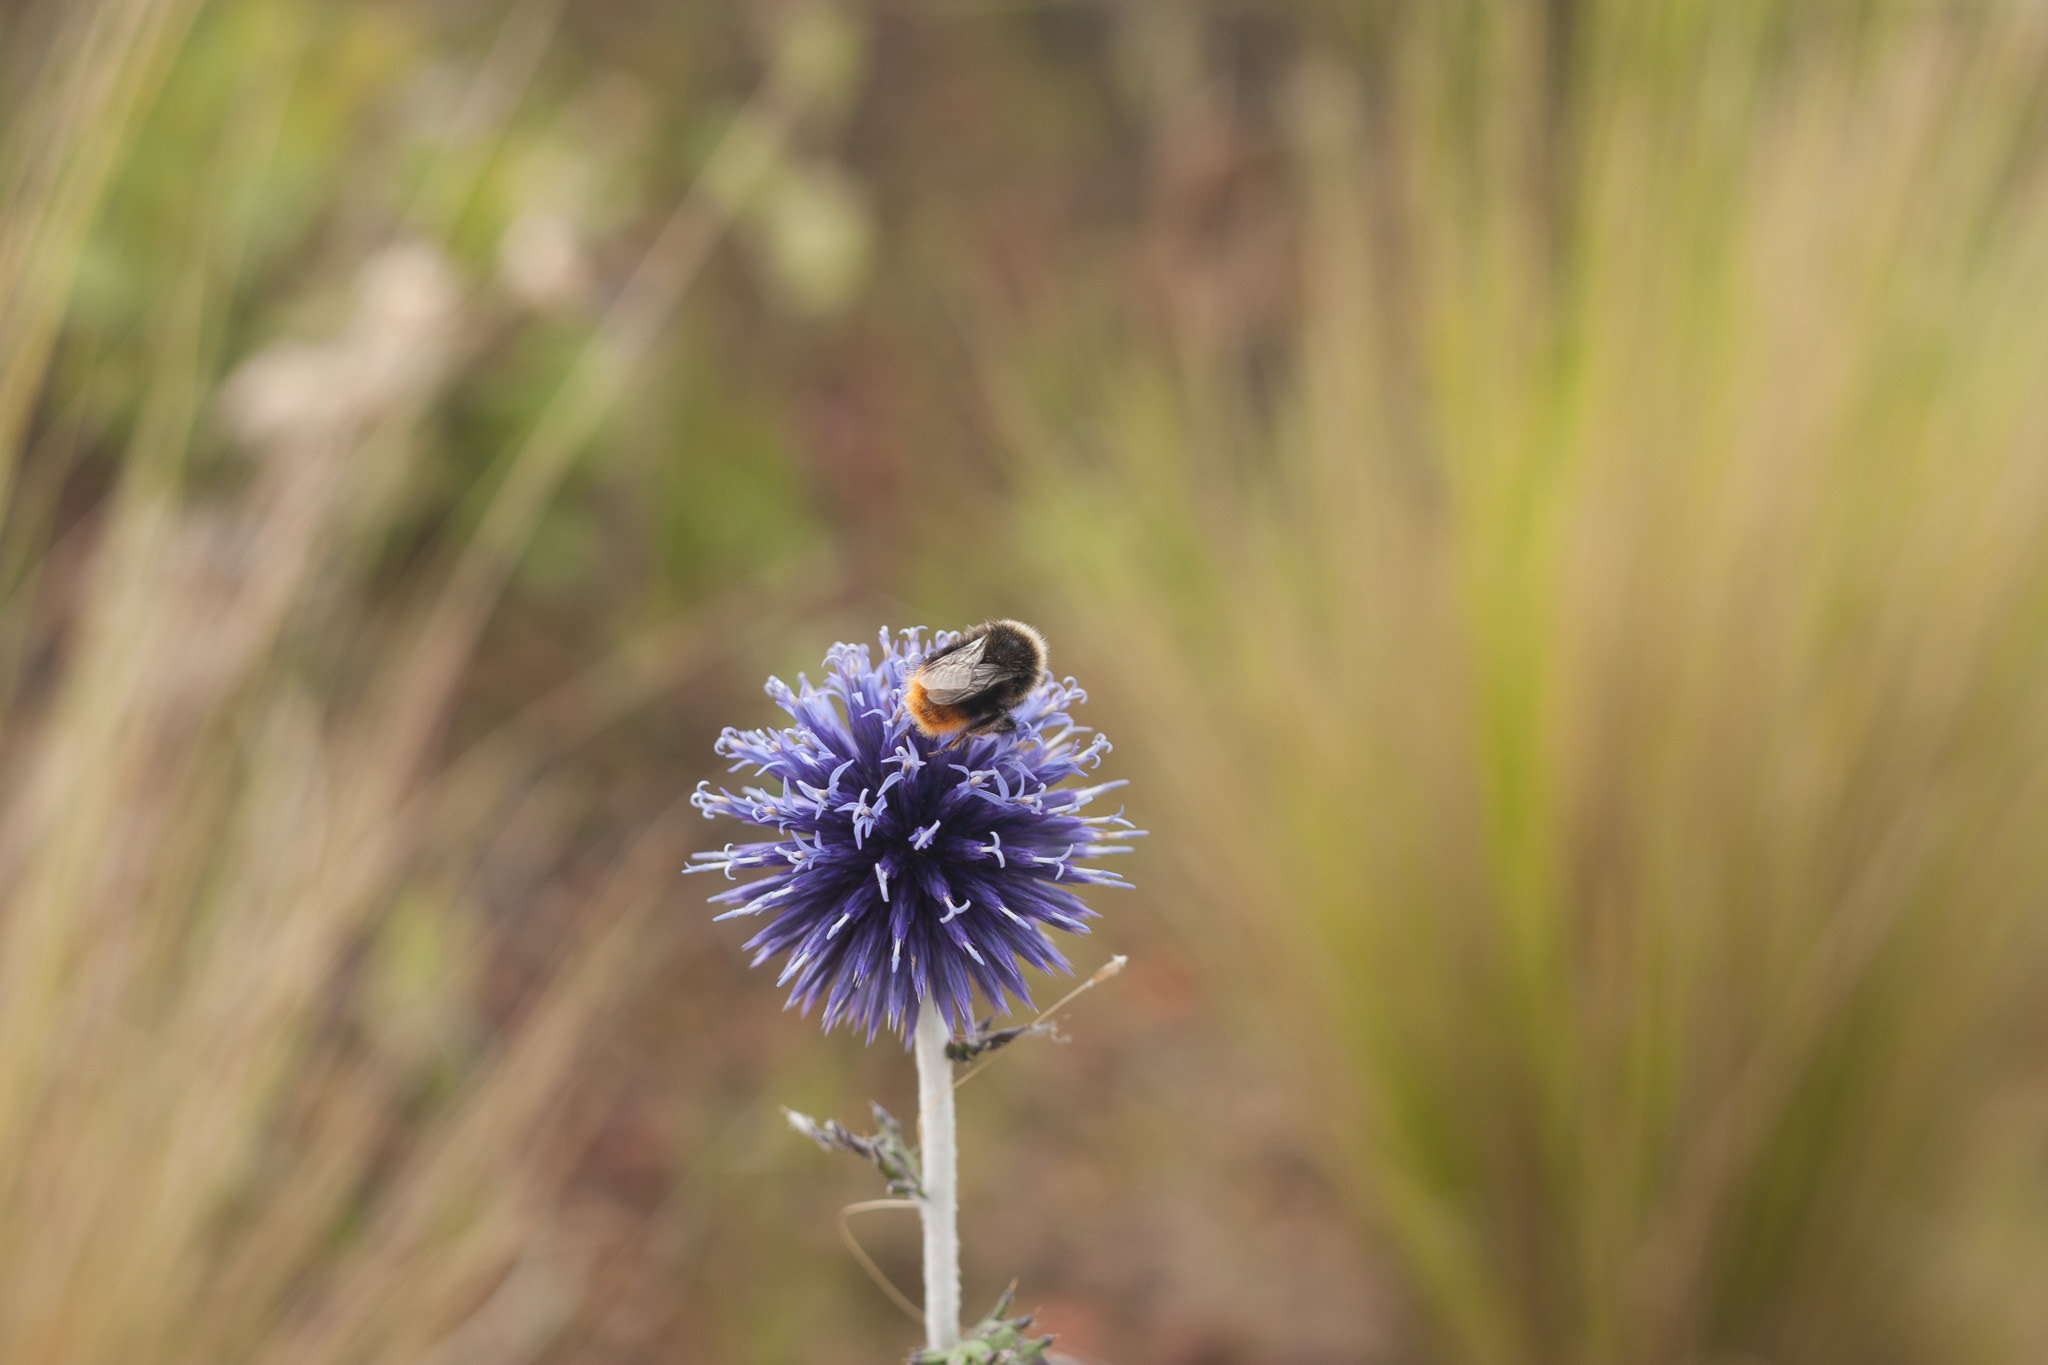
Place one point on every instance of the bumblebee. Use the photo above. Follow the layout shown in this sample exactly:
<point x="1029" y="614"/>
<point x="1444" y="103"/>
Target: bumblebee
<point x="970" y="686"/>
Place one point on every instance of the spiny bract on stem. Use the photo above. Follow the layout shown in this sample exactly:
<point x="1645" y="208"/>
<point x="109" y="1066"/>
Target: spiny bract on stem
<point x="906" y="868"/>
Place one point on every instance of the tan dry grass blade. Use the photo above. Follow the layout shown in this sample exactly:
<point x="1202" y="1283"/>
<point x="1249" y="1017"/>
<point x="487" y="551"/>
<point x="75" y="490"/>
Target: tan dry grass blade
<point x="67" y="135"/>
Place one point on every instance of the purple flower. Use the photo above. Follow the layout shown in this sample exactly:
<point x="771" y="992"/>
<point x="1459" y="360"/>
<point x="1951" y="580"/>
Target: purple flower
<point x="906" y="869"/>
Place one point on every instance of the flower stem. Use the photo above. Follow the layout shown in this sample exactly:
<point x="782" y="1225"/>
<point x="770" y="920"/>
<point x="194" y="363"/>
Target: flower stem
<point x="939" y="1166"/>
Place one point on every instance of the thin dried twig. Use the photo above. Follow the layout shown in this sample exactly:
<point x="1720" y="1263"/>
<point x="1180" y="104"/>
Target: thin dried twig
<point x="1102" y="974"/>
<point x="867" y="1263"/>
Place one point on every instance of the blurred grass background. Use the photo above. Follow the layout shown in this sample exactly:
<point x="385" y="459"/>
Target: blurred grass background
<point x="1548" y="495"/>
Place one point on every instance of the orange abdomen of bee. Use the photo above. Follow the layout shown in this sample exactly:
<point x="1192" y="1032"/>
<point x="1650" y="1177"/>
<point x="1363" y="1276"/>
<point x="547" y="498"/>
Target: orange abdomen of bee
<point x="930" y="716"/>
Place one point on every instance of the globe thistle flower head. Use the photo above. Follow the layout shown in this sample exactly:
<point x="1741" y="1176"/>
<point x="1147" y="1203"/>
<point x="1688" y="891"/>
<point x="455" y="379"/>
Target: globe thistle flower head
<point x="903" y="868"/>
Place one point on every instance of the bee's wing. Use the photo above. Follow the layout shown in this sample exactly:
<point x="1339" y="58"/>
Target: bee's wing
<point x="955" y="677"/>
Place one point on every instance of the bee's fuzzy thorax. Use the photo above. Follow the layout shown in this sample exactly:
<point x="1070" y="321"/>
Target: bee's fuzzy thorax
<point x="1028" y="632"/>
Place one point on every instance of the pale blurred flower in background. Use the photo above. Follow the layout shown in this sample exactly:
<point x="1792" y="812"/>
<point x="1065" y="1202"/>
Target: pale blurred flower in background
<point x="396" y="344"/>
<point x="542" y="261"/>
